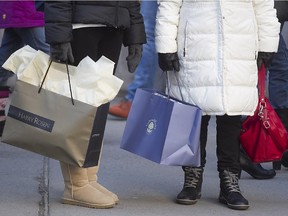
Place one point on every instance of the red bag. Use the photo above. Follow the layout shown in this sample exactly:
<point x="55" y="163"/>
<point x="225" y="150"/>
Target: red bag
<point x="263" y="135"/>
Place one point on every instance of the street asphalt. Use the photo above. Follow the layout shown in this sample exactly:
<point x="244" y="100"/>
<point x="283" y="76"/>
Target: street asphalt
<point x="32" y="185"/>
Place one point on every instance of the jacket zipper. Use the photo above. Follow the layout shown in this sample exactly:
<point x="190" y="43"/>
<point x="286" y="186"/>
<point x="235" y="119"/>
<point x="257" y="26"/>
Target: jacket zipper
<point x="185" y="39"/>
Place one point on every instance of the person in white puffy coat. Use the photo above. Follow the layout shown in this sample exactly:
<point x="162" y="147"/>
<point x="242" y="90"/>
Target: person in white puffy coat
<point x="214" y="48"/>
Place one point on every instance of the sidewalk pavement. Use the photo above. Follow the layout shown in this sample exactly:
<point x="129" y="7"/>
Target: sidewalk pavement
<point x="32" y="185"/>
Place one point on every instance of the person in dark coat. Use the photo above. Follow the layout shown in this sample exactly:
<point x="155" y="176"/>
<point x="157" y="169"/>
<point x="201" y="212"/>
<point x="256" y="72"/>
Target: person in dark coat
<point x="278" y="78"/>
<point x="74" y="30"/>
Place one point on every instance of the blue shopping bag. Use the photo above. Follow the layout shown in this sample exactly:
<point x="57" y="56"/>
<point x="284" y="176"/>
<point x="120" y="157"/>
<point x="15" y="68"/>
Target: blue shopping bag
<point x="163" y="129"/>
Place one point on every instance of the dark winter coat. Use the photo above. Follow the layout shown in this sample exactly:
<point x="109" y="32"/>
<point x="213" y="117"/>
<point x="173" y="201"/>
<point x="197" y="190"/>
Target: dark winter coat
<point x="282" y="10"/>
<point x="60" y="15"/>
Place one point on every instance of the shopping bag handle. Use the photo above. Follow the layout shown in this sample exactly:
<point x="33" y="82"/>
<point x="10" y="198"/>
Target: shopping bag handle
<point x="168" y="84"/>
<point x="68" y="74"/>
<point x="262" y="112"/>
<point x="261" y="81"/>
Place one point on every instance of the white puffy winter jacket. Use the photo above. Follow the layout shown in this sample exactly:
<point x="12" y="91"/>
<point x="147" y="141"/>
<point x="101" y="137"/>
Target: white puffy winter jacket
<point x="217" y="43"/>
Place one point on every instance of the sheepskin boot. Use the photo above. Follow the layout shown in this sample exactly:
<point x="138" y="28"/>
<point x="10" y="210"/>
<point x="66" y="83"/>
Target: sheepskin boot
<point x="92" y="178"/>
<point x="79" y="192"/>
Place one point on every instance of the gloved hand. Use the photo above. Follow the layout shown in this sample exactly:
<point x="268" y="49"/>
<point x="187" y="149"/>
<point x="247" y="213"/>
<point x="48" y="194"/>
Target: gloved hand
<point x="265" y="57"/>
<point x="61" y="52"/>
<point x="134" y="57"/>
<point x="169" y="61"/>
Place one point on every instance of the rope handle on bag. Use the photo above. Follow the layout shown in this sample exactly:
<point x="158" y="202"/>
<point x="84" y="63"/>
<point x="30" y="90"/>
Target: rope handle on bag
<point x="68" y="74"/>
<point x="168" y="84"/>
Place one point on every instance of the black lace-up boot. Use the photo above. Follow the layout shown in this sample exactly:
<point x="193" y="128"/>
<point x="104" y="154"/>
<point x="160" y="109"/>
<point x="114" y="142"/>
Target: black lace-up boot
<point x="191" y="191"/>
<point x="230" y="192"/>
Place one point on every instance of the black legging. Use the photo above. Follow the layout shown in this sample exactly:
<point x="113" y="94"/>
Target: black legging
<point x="95" y="42"/>
<point x="228" y="145"/>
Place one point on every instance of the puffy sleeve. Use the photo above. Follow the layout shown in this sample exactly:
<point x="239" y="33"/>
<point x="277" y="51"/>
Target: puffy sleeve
<point x="58" y="21"/>
<point x="268" y="25"/>
<point x="282" y="10"/>
<point x="136" y="33"/>
<point x="167" y="20"/>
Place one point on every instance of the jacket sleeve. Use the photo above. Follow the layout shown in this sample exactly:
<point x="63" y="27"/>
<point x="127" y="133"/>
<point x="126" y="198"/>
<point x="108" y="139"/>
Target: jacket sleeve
<point x="166" y="28"/>
<point x="135" y="34"/>
<point x="58" y="21"/>
<point x="282" y="10"/>
<point x="268" y="25"/>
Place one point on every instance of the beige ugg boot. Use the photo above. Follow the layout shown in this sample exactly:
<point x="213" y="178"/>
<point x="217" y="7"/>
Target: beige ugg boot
<point x="79" y="192"/>
<point x="92" y="178"/>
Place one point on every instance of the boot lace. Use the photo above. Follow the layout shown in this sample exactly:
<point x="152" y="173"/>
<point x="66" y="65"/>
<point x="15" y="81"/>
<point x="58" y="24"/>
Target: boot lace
<point x="192" y="176"/>
<point x="231" y="181"/>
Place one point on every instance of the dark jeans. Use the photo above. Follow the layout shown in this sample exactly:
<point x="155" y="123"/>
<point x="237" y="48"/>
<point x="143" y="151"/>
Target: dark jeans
<point x="278" y="77"/>
<point x="145" y="73"/>
<point x="14" y="39"/>
<point x="228" y="145"/>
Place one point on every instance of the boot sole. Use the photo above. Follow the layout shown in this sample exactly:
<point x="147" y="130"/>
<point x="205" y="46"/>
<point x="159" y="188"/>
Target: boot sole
<point x="235" y="207"/>
<point x="84" y="204"/>
<point x="261" y="177"/>
<point x="186" y="202"/>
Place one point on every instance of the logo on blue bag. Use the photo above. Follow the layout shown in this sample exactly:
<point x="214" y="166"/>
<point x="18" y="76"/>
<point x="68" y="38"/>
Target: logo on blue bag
<point x="151" y="126"/>
<point x="30" y="118"/>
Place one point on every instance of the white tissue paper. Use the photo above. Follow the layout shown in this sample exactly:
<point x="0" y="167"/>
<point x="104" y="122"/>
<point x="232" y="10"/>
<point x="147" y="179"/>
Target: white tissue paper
<point x="91" y="82"/>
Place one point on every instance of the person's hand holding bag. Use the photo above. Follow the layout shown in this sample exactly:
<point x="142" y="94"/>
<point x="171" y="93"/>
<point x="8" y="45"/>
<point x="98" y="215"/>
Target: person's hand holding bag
<point x="61" y="52"/>
<point x="169" y="61"/>
<point x="134" y="57"/>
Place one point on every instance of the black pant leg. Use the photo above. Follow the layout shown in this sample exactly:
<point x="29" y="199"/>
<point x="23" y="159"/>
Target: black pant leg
<point x="203" y="138"/>
<point x="228" y="145"/>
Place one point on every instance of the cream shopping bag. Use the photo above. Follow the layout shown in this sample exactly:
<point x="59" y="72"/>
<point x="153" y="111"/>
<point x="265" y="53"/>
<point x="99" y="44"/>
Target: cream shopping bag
<point x="48" y="123"/>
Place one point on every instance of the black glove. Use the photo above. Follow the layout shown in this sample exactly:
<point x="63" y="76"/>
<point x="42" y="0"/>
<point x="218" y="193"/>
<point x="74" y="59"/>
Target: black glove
<point x="61" y="52"/>
<point x="265" y="58"/>
<point x="134" y="57"/>
<point x="169" y="61"/>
